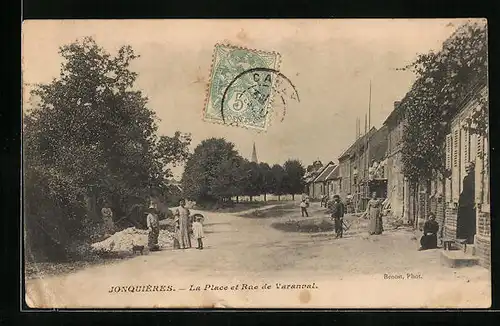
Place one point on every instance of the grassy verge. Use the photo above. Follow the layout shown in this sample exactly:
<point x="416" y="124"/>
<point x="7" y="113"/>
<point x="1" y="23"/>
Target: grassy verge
<point x="243" y="206"/>
<point x="277" y="211"/>
<point x="312" y="225"/>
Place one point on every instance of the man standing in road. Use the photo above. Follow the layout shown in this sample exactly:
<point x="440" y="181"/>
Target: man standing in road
<point x="338" y="215"/>
<point x="303" y="208"/>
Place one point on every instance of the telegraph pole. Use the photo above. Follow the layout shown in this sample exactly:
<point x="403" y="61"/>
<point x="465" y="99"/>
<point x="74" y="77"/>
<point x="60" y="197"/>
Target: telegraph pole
<point x="358" y="169"/>
<point x="367" y="155"/>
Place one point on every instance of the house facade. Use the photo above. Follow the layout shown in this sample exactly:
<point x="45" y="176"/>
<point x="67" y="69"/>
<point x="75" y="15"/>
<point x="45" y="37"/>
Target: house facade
<point x="334" y="182"/>
<point x="373" y="177"/>
<point x="352" y="166"/>
<point x="355" y="164"/>
<point x="397" y="186"/>
<point x="319" y="185"/>
<point x="311" y="174"/>
<point x="463" y="148"/>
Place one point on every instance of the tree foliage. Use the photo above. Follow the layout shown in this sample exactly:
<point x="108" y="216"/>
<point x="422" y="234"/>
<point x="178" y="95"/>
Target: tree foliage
<point x="89" y="133"/>
<point x="267" y="179"/>
<point x="294" y="181"/>
<point x="216" y="172"/>
<point x="213" y="171"/>
<point x="444" y="80"/>
<point x="279" y="179"/>
<point x="254" y="181"/>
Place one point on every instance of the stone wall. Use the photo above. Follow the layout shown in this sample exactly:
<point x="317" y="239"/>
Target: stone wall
<point x="483" y="239"/>
<point x="450" y="226"/>
<point x="395" y="184"/>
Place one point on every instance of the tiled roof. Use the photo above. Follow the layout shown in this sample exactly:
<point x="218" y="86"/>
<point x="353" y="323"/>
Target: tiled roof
<point x="314" y="175"/>
<point x="326" y="172"/>
<point x="334" y="174"/>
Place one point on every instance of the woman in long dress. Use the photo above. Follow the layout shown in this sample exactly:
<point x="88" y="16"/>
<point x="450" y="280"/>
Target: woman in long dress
<point x="183" y="220"/>
<point x="374" y="211"/>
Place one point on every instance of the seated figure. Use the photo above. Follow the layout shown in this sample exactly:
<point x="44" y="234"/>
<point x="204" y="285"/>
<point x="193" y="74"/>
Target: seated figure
<point x="430" y="230"/>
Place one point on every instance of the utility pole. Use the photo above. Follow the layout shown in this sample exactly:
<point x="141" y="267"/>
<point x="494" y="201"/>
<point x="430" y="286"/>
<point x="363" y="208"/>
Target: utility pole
<point x="367" y="154"/>
<point x="358" y="168"/>
<point x="369" y="124"/>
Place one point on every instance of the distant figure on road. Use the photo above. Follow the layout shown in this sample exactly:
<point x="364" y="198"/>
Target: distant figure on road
<point x="431" y="228"/>
<point x="374" y="211"/>
<point x="153" y="223"/>
<point x="303" y="208"/>
<point x="305" y="198"/>
<point x="198" y="232"/>
<point x="348" y="201"/>
<point x="338" y="210"/>
<point x="183" y="221"/>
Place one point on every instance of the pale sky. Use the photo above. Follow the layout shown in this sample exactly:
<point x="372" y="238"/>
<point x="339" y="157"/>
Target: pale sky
<point x="330" y="62"/>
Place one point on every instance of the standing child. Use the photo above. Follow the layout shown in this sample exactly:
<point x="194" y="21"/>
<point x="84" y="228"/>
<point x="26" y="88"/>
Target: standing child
<point x="198" y="232"/>
<point x="303" y="208"/>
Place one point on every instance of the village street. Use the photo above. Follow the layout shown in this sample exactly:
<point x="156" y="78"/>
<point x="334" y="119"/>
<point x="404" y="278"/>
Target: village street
<point x="347" y="272"/>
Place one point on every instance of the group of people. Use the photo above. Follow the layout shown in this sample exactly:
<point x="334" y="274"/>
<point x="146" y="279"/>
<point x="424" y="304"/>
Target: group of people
<point x="338" y="209"/>
<point x="185" y="226"/>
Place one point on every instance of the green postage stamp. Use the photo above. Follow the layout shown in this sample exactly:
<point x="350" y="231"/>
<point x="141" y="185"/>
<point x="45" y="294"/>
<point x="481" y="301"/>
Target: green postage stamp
<point x="241" y="87"/>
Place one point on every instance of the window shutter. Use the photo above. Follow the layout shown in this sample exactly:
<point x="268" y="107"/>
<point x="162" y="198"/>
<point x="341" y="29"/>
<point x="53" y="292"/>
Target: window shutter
<point x="478" y="185"/>
<point x="455" y="171"/>
<point x="466" y="146"/>
<point x="448" y="151"/>
<point x="456" y="142"/>
<point x="479" y="145"/>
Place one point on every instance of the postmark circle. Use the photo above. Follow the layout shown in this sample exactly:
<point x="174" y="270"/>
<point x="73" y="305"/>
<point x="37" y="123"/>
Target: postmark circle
<point x="253" y="93"/>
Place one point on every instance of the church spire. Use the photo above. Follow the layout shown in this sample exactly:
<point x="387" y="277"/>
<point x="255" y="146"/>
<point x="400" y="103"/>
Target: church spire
<point x="254" y="154"/>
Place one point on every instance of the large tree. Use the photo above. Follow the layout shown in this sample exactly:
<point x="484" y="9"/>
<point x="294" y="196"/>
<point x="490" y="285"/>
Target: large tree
<point x="266" y="179"/>
<point x="253" y="182"/>
<point x="279" y="176"/>
<point x="294" y="177"/>
<point x="89" y="134"/>
<point x="213" y="172"/>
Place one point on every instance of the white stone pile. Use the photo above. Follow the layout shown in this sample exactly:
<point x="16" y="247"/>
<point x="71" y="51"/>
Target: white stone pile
<point x="125" y="239"/>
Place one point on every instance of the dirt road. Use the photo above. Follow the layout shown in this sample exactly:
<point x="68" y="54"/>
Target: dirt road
<point x="259" y="264"/>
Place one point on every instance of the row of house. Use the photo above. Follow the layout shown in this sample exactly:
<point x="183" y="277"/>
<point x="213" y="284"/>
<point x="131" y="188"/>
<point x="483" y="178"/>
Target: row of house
<point x="360" y="171"/>
<point x="441" y="195"/>
<point x="323" y="180"/>
<point x="373" y="163"/>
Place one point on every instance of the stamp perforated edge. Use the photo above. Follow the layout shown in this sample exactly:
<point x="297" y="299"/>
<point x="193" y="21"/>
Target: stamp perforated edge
<point x="209" y="84"/>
